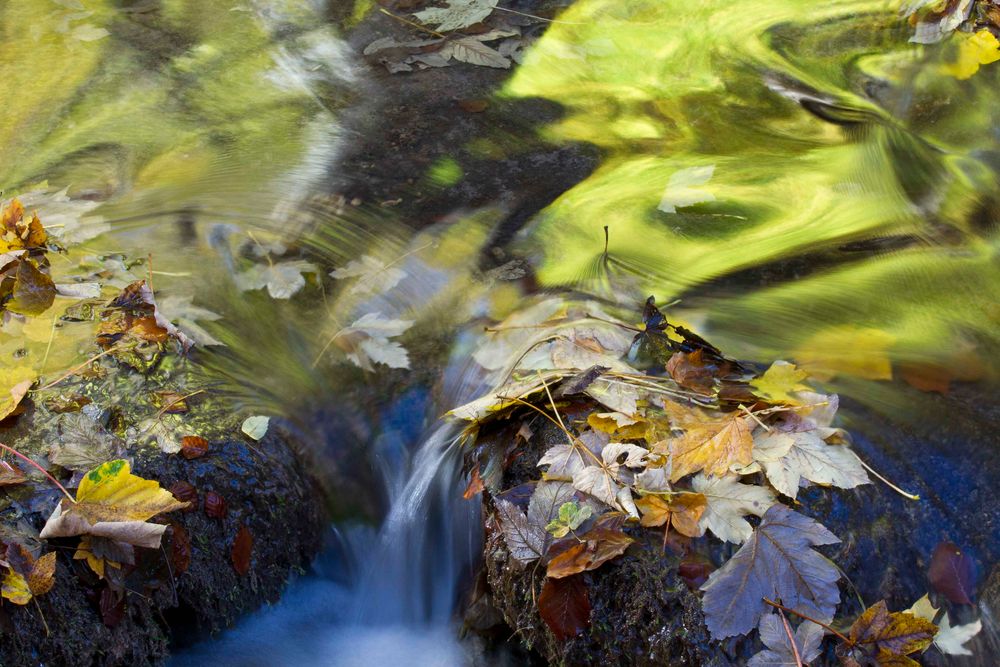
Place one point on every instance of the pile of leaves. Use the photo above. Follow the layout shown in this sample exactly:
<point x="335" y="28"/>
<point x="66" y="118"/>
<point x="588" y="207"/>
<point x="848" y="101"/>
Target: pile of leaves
<point x="974" y="26"/>
<point x="686" y="441"/>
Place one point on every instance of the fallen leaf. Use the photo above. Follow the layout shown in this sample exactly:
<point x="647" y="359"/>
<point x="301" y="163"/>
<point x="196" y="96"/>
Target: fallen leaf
<point x="779" y="652"/>
<point x="367" y="341"/>
<point x="101" y="552"/>
<point x="788" y="458"/>
<point x="475" y="485"/>
<point x="952" y="573"/>
<point x="242" y="550"/>
<point x="571" y="516"/>
<point x="282" y="279"/>
<point x="525" y="540"/>
<point x="27" y="577"/>
<point x="545" y="504"/>
<point x="193" y="446"/>
<point x="33" y="293"/>
<point x="471" y="50"/>
<point x="974" y="50"/>
<point x="604" y="481"/>
<point x="598" y="546"/>
<point x="186" y="493"/>
<point x="937" y="25"/>
<point x="83" y="444"/>
<point x="373" y="275"/>
<point x="112" y="606"/>
<point x="776" y="563"/>
<point x="683" y="511"/>
<point x="112" y="502"/>
<point x="10" y="474"/>
<point x="215" y="506"/>
<point x="617" y="396"/>
<point x="255" y="427"/>
<point x="688" y="369"/>
<point x="457" y="15"/>
<point x="950" y="639"/>
<point x="564" y="605"/>
<point x="180" y="549"/>
<point x="890" y="637"/>
<point x="18" y="233"/>
<point x="684" y="189"/>
<point x="565" y="461"/>
<point x="779" y="382"/>
<point x="713" y="448"/>
<point x="727" y="502"/>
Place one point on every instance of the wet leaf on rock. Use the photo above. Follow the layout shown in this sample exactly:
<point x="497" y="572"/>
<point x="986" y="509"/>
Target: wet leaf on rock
<point x="779" y="383"/>
<point x="564" y="605"/>
<point x="788" y="458"/>
<point x="776" y="563"/>
<point x="215" y="506"/>
<point x="15" y="381"/>
<point x="714" y="447"/>
<point x="242" y="550"/>
<point x="525" y="540"/>
<point x="779" y="651"/>
<point x="193" y="446"/>
<point x="598" y="546"/>
<point x="950" y="639"/>
<point x="890" y="637"/>
<point x="180" y="549"/>
<point x="27" y="577"/>
<point x="571" y="516"/>
<point x="255" y="427"/>
<point x="83" y="444"/>
<point x="952" y="573"/>
<point x="185" y="493"/>
<point x="683" y="511"/>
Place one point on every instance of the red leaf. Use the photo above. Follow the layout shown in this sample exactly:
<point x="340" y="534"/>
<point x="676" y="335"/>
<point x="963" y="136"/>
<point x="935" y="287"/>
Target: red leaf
<point x="193" y="446"/>
<point x="186" y="493"/>
<point x="952" y="573"/>
<point x="694" y="570"/>
<point x="112" y="607"/>
<point x="180" y="549"/>
<point x="564" y="605"/>
<point x="215" y="505"/>
<point x="475" y="484"/>
<point x="242" y="549"/>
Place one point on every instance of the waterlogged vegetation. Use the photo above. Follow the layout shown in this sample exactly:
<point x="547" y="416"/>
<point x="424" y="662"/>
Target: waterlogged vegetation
<point x="810" y="186"/>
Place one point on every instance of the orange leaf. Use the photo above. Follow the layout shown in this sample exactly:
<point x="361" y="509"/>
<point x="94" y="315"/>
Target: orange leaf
<point x="242" y="550"/>
<point x="598" y="547"/>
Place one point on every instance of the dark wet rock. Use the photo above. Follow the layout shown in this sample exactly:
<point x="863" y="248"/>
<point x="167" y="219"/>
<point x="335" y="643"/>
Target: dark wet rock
<point x="645" y="614"/>
<point x="265" y="485"/>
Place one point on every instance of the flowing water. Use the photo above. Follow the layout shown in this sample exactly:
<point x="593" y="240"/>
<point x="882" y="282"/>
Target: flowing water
<point x="806" y="182"/>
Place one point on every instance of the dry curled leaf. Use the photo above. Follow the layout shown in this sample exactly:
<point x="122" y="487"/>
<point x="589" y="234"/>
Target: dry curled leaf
<point x="683" y="511"/>
<point x="597" y="547"/>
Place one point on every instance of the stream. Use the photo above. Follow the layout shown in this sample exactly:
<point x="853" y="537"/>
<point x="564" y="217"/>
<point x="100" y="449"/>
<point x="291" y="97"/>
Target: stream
<point x="798" y="179"/>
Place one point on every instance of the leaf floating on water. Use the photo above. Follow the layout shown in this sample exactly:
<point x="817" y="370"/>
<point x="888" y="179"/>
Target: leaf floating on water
<point x="950" y="639"/>
<point x="33" y="293"/>
<point x="952" y="573"/>
<point x="975" y="50"/>
<point x="112" y="502"/>
<point x="684" y="188"/>
<point x="282" y="279"/>
<point x="779" y="382"/>
<point x="367" y="341"/>
<point x="255" y="427"/>
<point x="779" y="652"/>
<point x="776" y="563"/>
<point x="457" y="15"/>
<point x="15" y="381"/>
<point x="728" y="502"/>
<point x="373" y="275"/>
<point x="890" y="637"/>
<point x="564" y="605"/>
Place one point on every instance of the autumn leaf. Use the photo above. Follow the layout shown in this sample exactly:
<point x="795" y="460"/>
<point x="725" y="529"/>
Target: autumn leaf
<point x="34" y="292"/>
<point x="10" y="474"/>
<point x="596" y="548"/>
<point x="779" y="382"/>
<point x="974" y="50"/>
<point x="571" y="516"/>
<point x="890" y="637"/>
<point x="255" y="427"/>
<point x="565" y="461"/>
<point x="193" y="446"/>
<point x="689" y="370"/>
<point x="776" y="563"/>
<point x="457" y="15"/>
<point x="788" y="458"/>
<point x="242" y="551"/>
<point x="367" y="341"/>
<point x="713" y="448"/>
<point x="15" y="381"/>
<point x="564" y="605"/>
<point x="683" y="511"/>
<point x="525" y="540"/>
<point x="16" y="233"/>
<point x="950" y="639"/>
<point x="112" y="502"/>
<point x="180" y="549"/>
<point x="373" y="275"/>
<point x="952" y="573"/>
<point x="282" y="279"/>
<point x="727" y="502"/>
<point x="101" y="552"/>
<point x="27" y="577"/>
<point x="779" y="651"/>
<point x="603" y="478"/>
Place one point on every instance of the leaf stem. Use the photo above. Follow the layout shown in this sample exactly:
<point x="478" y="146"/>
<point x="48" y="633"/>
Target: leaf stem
<point x="40" y="468"/>
<point x="73" y="371"/>
<point x="791" y="639"/>
<point x="892" y="486"/>
<point x="411" y="23"/>
<point x="821" y="624"/>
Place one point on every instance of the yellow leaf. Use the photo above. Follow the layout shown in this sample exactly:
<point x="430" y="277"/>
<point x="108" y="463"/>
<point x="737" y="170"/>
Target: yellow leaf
<point x="15" y="588"/>
<point x="14" y="384"/>
<point x="19" y="588"/>
<point x="682" y="510"/>
<point x="43" y="573"/>
<point x="847" y="350"/>
<point x="981" y="48"/>
<point x="713" y="447"/>
<point x="778" y="383"/>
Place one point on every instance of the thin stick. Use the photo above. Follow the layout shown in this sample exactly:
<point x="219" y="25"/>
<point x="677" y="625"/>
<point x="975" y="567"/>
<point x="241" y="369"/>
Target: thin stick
<point x="41" y="616"/>
<point x="791" y="639"/>
<point x="411" y="23"/>
<point x="892" y="486"/>
<point x="809" y="618"/>
<point x="43" y="470"/>
<point x="551" y="401"/>
<point x="540" y="18"/>
<point x="73" y="371"/>
<point x="754" y="417"/>
<point x="588" y="316"/>
<point x="177" y="400"/>
<point x="48" y="348"/>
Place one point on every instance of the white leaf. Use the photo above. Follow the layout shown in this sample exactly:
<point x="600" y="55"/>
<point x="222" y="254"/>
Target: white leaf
<point x="728" y="502"/>
<point x="950" y="639"/>
<point x="525" y="540"/>
<point x="682" y="189"/>
<point x="789" y="457"/>
<point x="79" y="290"/>
<point x="471" y="50"/>
<point x="282" y="279"/>
<point x="618" y="396"/>
<point x="367" y="340"/>
<point x="565" y="461"/>
<point x="374" y="277"/>
<point x="458" y="14"/>
<point x="255" y="427"/>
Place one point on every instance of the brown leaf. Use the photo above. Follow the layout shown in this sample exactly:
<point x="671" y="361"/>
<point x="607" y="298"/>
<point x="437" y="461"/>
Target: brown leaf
<point x="186" y="493"/>
<point x="690" y="371"/>
<point x="890" y="637"/>
<point x="473" y="106"/>
<point x="681" y="510"/>
<point x="193" y="446"/>
<point x="952" y="573"/>
<point x="10" y="474"/>
<point x="597" y="548"/>
<point x="714" y="447"/>
<point x="475" y="486"/>
<point x="170" y="402"/>
<point x="695" y="569"/>
<point x="33" y="291"/>
<point x="215" y="505"/>
<point x="180" y="549"/>
<point x="242" y="550"/>
<point x="564" y="605"/>
<point x="112" y="607"/>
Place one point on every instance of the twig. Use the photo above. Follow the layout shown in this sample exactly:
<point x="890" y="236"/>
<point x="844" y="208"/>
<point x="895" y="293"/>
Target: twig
<point x="411" y="23"/>
<point x="754" y="417"/>
<point x="41" y="616"/>
<point x="809" y="618"/>
<point x="911" y="496"/>
<point x="73" y="371"/>
<point x="174" y="402"/>
<point x="540" y="18"/>
<point x="791" y="639"/>
<point x="43" y="470"/>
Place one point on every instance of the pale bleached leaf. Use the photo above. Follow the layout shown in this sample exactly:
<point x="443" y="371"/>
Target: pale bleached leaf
<point x="367" y="341"/>
<point x="787" y="458"/>
<point x="779" y="652"/>
<point x="950" y="638"/>
<point x="473" y="51"/>
<point x="776" y="563"/>
<point x="282" y="279"/>
<point x="255" y="427"/>
<point x="728" y="502"/>
<point x="565" y="461"/>
<point x="87" y="290"/>
<point x="616" y="395"/>
<point x="525" y="540"/>
<point x="373" y="275"/>
<point x="83" y="444"/>
<point x="684" y="189"/>
<point x="457" y="15"/>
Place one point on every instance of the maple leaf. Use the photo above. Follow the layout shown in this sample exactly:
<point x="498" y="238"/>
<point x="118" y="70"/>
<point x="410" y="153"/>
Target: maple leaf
<point x="367" y="341"/>
<point x="596" y="548"/>
<point x="457" y="15"/>
<point x="282" y="279"/>
<point x="779" y="651"/>
<point x="15" y="381"/>
<point x="112" y="502"/>
<point x="779" y="381"/>
<point x="16" y="233"/>
<point x="775" y="563"/>
<point x="714" y="447"/>
<point x="525" y="540"/>
<point x="974" y="50"/>
<point x="27" y="577"/>
<point x="83" y="444"/>
<point x="546" y="503"/>
<point x="565" y="461"/>
<point x="604" y="480"/>
<point x="684" y="189"/>
<point x="727" y="502"/>
<point x="890" y="637"/>
<point x="683" y="511"/>
<point x="788" y="458"/>
<point x="374" y="276"/>
<point x="571" y="516"/>
<point x="950" y="639"/>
